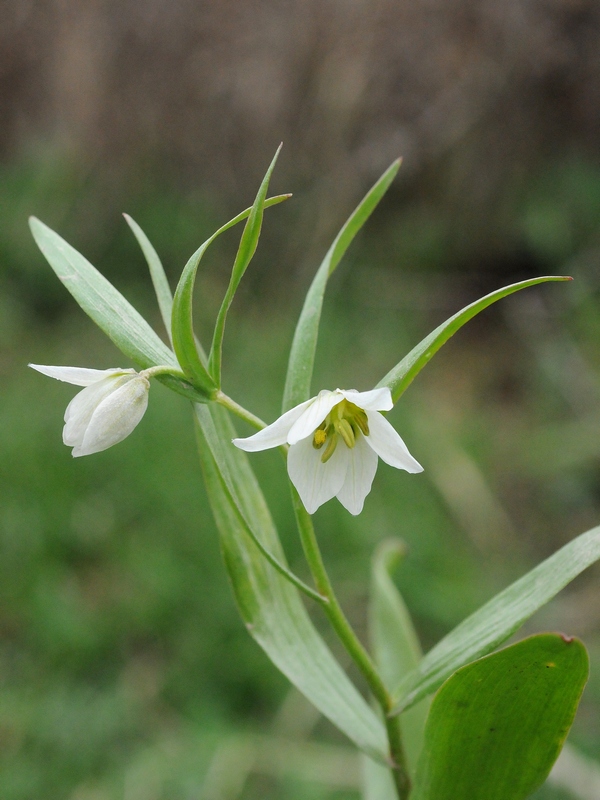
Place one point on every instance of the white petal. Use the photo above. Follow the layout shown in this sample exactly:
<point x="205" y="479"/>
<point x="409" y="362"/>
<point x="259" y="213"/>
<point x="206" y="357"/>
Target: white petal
<point x="374" y="400"/>
<point x="316" y="482"/>
<point x="362" y="466"/>
<point x="79" y="376"/>
<point x="314" y="415"/>
<point x="81" y="408"/>
<point x="275" y="434"/>
<point x="115" y="417"/>
<point x="388" y="445"/>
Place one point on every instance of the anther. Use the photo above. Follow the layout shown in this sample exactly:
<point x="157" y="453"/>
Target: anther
<point x="319" y="438"/>
<point x="330" y="449"/>
<point x="345" y="430"/>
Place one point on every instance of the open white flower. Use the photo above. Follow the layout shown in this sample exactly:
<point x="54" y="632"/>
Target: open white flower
<point x="106" y="411"/>
<point x="335" y="439"/>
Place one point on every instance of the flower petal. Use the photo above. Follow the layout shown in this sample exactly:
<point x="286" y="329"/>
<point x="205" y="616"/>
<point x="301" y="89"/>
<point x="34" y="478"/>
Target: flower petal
<point x="316" y="482"/>
<point x="374" y="400"/>
<point x="115" y="417"/>
<point x="314" y="415"/>
<point x="79" y="376"/>
<point x="362" y="466"/>
<point x="81" y="408"/>
<point x="388" y="444"/>
<point x="275" y="434"/>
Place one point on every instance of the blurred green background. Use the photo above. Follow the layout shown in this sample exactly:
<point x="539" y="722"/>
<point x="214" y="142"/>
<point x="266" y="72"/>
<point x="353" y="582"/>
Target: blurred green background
<point x="124" y="669"/>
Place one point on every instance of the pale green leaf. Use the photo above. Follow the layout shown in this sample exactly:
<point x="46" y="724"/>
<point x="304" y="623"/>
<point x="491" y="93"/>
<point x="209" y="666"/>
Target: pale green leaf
<point x="401" y="376"/>
<point x="304" y="344"/>
<point x="484" y="630"/>
<point x="395" y="643"/>
<point x="497" y="726"/>
<point x="269" y="605"/>
<point x="182" y="318"/>
<point x="157" y="273"/>
<point x="246" y="250"/>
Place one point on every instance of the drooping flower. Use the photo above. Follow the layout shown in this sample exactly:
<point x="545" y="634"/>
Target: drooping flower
<point x="335" y="440"/>
<point x="105" y="411"/>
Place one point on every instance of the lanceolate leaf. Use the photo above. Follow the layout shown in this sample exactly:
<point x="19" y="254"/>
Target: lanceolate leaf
<point x="484" y="630"/>
<point x="109" y="309"/>
<point x="497" y="726"/>
<point x="246" y="250"/>
<point x="395" y="643"/>
<point x="101" y="301"/>
<point x="402" y="375"/>
<point x="304" y="345"/>
<point x="269" y="605"/>
<point x="157" y="273"/>
<point x="182" y="322"/>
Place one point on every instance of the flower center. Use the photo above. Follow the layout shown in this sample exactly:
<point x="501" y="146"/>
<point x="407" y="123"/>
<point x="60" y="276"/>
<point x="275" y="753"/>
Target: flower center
<point x="345" y="421"/>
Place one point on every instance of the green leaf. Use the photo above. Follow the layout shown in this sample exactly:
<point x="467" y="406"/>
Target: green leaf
<point x="401" y="376"/>
<point x="395" y="643"/>
<point x="304" y="345"/>
<point x="377" y="781"/>
<point x="101" y="301"/>
<point x="109" y="309"/>
<point x="157" y="273"/>
<point x="182" y="321"/>
<point x="496" y="726"/>
<point x="246" y="250"/>
<point x="269" y="605"/>
<point x="492" y="624"/>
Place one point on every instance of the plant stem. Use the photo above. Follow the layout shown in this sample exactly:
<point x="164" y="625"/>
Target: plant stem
<point x="353" y="645"/>
<point x="239" y="410"/>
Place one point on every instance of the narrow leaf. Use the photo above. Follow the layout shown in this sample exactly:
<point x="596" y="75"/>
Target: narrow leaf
<point x="157" y="273"/>
<point x="246" y="250"/>
<point x="401" y="376"/>
<point x="304" y="345"/>
<point x="269" y="605"/>
<point x="394" y="641"/>
<point x="484" y="630"/>
<point x="101" y="301"/>
<point x="497" y="726"/>
<point x="377" y="781"/>
<point x="182" y="321"/>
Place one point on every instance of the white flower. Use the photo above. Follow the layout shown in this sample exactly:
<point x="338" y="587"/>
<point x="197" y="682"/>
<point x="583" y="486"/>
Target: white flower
<point x="335" y="439"/>
<point x="106" y="411"/>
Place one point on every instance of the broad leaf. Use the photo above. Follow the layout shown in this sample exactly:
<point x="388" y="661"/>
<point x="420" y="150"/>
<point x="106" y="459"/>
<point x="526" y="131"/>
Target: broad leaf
<point x="269" y="605"/>
<point x="401" y="376"/>
<point x="497" y="726"/>
<point x="304" y="345"/>
<point x="182" y="319"/>
<point x="157" y="273"/>
<point x="395" y="643"/>
<point x="246" y="250"/>
<point x="484" y="630"/>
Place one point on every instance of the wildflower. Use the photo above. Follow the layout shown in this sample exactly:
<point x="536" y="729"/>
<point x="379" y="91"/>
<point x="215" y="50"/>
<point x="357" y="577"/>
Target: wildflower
<point x="106" y="411"/>
<point x="335" y="439"/>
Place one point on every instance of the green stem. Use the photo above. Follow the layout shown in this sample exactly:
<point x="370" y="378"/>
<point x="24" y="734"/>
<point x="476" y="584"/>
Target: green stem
<point x="353" y="645"/>
<point x="239" y="411"/>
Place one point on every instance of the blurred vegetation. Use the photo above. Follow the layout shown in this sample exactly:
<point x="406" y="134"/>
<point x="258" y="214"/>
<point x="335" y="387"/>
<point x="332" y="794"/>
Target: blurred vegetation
<point x="125" y="673"/>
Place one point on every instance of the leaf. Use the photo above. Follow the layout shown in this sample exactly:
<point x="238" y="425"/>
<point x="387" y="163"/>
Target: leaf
<point x="497" y="726"/>
<point x="269" y="605"/>
<point x="377" y="781"/>
<point x="182" y="322"/>
<point x="401" y="376"/>
<point x="157" y="273"/>
<point x="492" y="624"/>
<point x="109" y="309"/>
<point x="246" y="250"/>
<point x="395" y="643"/>
<point x="101" y="301"/>
<point x="304" y="344"/>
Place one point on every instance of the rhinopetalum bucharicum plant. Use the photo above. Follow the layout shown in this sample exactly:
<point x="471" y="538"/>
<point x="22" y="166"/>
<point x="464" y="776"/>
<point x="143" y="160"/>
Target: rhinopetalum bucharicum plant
<point x="497" y="720"/>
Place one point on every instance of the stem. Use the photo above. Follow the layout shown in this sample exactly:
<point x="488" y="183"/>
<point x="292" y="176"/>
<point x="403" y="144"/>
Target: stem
<point x="353" y="645"/>
<point x="239" y="410"/>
